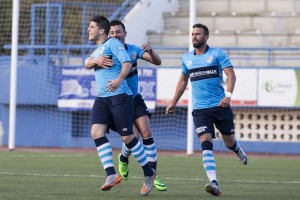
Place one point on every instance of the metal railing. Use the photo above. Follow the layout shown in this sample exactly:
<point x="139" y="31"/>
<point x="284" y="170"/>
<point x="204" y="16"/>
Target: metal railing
<point x="242" y="56"/>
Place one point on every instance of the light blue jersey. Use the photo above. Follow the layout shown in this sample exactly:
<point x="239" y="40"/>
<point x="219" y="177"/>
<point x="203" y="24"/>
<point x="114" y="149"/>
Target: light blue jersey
<point x="114" y="48"/>
<point x="206" y="74"/>
<point x="134" y="53"/>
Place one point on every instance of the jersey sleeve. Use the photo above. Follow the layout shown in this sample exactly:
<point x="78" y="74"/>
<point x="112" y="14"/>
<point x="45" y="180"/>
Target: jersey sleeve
<point x="224" y="60"/>
<point x="139" y="51"/>
<point x="185" y="70"/>
<point x="119" y="51"/>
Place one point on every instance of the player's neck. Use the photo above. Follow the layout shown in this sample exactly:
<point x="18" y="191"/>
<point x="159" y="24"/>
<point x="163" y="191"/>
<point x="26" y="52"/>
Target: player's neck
<point x="201" y="50"/>
<point x="101" y="39"/>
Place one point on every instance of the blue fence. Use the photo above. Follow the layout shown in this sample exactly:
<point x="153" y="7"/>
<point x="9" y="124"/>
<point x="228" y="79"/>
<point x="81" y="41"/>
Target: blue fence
<point x="269" y="55"/>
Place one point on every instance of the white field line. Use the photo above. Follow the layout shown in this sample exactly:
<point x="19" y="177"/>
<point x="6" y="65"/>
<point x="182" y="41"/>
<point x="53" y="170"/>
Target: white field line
<point x="135" y="177"/>
<point x="42" y="156"/>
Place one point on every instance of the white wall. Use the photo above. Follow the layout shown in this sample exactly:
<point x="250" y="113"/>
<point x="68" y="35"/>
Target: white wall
<point x="147" y="15"/>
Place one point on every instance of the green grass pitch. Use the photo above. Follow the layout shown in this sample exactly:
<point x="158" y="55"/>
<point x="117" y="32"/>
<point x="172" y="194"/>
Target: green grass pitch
<point x="78" y="175"/>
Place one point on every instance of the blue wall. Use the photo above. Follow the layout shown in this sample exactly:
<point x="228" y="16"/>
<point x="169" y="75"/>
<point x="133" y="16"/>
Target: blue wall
<point x="32" y="75"/>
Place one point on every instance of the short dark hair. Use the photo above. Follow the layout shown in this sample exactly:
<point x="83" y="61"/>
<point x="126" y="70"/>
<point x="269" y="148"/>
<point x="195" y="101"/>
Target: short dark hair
<point x="206" y="31"/>
<point x="117" y="22"/>
<point x="102" y="23"/>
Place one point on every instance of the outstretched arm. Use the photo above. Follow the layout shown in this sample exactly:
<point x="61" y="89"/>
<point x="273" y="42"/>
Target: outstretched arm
<point x="150" y="55"/>
<point x="180" y="88"/>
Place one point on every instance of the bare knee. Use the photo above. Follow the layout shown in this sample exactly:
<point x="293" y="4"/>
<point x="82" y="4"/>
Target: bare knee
<point x="128" y="138"/>
<point x="146" y="133"/>
<point x="98" y="130"/>
<point x="94" y="134"/>
<point x="142" y="125"/>
<point x="205" y="137"/>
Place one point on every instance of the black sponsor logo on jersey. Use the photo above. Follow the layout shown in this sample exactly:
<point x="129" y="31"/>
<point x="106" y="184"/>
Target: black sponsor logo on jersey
<point x="133" y="70"/>
<point x="204" y="73"/>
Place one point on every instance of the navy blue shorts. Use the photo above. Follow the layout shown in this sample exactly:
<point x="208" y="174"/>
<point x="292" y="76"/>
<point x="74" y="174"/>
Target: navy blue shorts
<point x="140" y="108"/>
<point x="116" y="110"/>
<point x="205" y="119"/>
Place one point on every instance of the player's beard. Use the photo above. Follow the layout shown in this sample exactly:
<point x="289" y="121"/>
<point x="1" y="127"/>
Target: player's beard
<point x="198" y="44"/>
<point x="93" y="38"/>
<point x="120" y="38"/>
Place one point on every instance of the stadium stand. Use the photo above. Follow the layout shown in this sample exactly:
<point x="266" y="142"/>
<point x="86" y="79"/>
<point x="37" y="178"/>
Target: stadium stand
<point x="260" y="34"/>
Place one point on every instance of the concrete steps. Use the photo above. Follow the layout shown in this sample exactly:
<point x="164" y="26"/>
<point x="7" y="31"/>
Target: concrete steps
<point x="233" y="23"/>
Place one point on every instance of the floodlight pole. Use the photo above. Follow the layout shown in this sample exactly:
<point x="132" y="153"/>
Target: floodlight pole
<point x="13" y="75"/>
<point x="190" y="126"/>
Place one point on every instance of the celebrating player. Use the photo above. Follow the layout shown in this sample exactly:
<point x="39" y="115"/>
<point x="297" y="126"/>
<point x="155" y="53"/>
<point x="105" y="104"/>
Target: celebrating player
<point x="114" y="104"/>
<point x="141" y="112"/>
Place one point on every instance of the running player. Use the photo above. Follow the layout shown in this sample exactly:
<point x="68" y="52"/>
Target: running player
<point x="204" y="66"/>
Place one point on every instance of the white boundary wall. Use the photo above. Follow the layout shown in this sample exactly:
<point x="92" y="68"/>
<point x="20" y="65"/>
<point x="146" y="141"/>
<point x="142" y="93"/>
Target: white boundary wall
<point x="1" y="133"/>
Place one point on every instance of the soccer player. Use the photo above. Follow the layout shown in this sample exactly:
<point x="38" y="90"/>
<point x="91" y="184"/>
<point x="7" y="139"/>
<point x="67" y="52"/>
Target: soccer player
<point x="204" y="66"/>
<point x="114" y="104"/>
<point x="141" y="112"/>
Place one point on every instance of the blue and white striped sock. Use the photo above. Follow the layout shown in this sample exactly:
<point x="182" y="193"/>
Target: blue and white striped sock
<point x="105" y="154"/>
<point x="150" y="150"/>
<point x="139" y="154"/>
<point x="209" y="164"/>
<point x="125" y="151"/>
